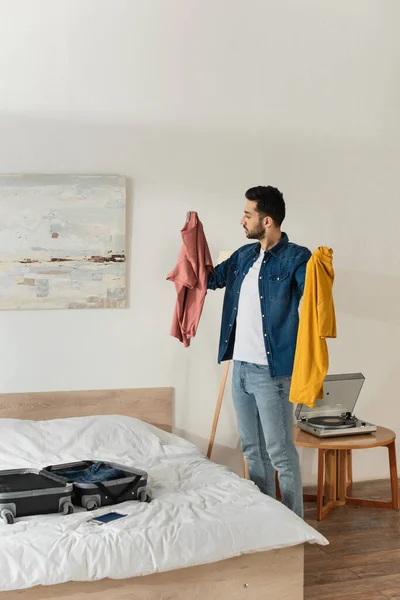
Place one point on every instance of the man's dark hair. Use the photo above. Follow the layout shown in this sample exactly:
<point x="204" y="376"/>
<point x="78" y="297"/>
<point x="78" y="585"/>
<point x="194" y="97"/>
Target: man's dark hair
<point x="270" y="202"/>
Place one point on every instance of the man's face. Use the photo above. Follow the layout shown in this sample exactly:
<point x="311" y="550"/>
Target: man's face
<point x="252" y="222"/>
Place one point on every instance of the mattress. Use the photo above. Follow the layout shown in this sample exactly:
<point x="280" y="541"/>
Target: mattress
<point x="201" y="512"/>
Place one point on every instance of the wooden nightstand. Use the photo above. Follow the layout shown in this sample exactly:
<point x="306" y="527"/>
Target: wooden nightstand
<point x="335" y="476"/>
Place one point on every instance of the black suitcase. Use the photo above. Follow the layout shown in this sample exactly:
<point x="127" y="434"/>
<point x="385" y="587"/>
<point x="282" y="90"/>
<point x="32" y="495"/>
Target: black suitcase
<point x="126" y="483"/>
<point x="25" y="492"/>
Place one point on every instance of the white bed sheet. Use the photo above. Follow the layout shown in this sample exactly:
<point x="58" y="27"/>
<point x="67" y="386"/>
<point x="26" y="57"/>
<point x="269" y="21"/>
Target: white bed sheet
<point x="200" y="513"/>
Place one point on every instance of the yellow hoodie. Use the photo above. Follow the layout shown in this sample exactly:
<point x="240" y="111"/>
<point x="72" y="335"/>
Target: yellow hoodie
<point x="317" y="322"/>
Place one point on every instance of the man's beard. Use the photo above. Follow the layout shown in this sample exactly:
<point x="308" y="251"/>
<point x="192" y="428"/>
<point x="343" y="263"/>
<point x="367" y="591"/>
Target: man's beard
<point x="255" y="234"/>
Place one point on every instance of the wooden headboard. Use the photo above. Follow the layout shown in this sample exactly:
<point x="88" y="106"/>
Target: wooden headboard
<point x="153" y="405"/>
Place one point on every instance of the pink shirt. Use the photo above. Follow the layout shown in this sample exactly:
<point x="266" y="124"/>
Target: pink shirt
<point x="190" y="279"/>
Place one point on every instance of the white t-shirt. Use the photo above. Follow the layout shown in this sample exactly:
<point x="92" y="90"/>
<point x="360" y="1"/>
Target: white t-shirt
<point x="249" y="340"/>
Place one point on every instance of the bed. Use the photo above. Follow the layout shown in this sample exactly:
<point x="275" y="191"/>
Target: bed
<point x="206" y="534"/>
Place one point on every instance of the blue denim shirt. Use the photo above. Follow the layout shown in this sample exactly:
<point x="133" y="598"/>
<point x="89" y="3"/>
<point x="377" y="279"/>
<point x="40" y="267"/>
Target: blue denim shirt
<point x="281" y="285"/>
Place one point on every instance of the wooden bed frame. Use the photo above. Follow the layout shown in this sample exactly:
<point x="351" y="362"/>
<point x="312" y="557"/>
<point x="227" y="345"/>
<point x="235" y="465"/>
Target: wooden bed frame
<point x="272" y="575"/>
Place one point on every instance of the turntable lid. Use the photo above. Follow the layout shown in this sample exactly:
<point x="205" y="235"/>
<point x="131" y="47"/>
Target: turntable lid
<point x="340" y="395"/>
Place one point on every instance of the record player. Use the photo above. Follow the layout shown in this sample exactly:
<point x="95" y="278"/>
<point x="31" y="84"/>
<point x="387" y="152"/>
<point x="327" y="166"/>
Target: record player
<point x="334" y="414"/>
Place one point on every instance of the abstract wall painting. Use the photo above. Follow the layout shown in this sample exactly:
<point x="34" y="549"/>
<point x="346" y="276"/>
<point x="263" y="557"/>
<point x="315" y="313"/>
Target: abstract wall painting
<point x="62" y="242"/>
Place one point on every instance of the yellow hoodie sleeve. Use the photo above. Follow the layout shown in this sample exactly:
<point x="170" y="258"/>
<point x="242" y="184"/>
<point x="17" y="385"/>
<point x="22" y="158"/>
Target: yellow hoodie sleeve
<point x="317" y="322"/>
<point x="325" y="306"/>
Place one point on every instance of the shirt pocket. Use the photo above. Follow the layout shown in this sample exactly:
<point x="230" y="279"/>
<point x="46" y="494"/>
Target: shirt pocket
<point x="279" y="286"/>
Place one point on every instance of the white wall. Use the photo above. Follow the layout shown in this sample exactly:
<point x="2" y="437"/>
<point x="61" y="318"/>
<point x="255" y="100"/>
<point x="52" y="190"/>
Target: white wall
<point x="195" y="101"/>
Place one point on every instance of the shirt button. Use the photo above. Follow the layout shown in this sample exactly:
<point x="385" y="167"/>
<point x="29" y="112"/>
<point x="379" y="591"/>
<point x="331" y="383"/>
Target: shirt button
<point x="277" y="278"/>
<point x="260" y="277"/>
<point x="267" y="352"/>
<point x="265" y="335"/>
<point x="235" y="308"/>
<point x="261" y="297"/>
<point x="263" y="316"/>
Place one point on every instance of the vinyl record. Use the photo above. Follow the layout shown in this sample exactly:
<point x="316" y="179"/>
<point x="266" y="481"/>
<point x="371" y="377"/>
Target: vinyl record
<point x="332" y="422"/>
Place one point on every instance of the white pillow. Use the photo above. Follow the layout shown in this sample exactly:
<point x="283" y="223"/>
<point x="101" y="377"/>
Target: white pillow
<point x="105" y="437"/>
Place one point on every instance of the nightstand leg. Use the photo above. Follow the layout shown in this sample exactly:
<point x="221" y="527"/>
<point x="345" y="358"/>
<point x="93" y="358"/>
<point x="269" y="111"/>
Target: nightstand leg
<point x="394" y="480"/>
<point x="330" y="474"/>
<point x="341" y="477"/>
<point x="394" y="502"/>
<point x="349" y="478"/>
<point x="327" y="482"/>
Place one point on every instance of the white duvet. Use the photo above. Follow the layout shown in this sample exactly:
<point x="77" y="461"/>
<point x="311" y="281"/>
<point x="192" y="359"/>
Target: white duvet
<point x="200" y="513"/>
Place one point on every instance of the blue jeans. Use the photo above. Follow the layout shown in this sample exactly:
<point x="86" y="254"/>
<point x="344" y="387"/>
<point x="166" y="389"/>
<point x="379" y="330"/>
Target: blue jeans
<point x="98" y="471"/>
<point x="265" y="422"/>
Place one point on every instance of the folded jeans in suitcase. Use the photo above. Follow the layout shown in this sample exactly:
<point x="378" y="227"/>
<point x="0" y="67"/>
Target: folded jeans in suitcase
<point x="101" y="483"/>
